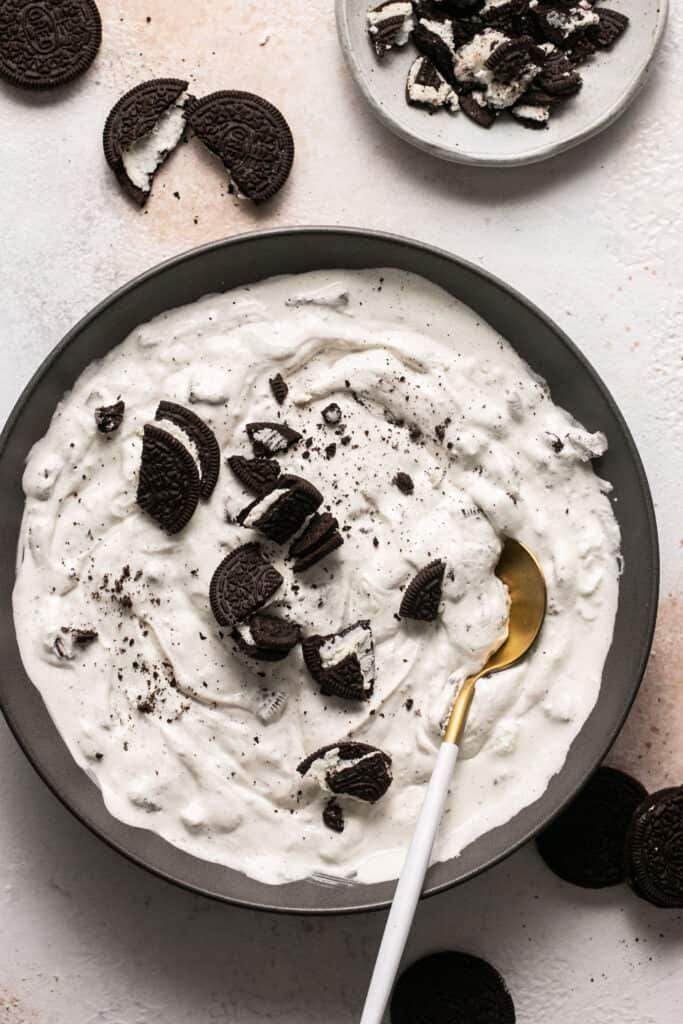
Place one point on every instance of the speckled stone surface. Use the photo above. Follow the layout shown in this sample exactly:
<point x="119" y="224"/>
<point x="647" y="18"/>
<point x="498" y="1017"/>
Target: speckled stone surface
<point x="593" y="237"/>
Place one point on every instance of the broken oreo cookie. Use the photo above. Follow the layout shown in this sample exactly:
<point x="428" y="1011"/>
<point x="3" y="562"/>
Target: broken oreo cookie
<point x="267" y="637"/>
<point x="250" y="136"/>
<point x="585" y="844"/>
<point x="350" y="769"/>
<point x="451" y="988"/>
<point x="168" y="485"/>
<point x="474" y="106"/>
<point x="343" y="664"/>
<point x="109" y="418"/>
<point x="332" y="414"/>
<point x="279" y="387"/>
<point x="426" y="87"/>
<point x="271" y="438"/>
<point x="654" y="849"/>
<point x="256" y="475"/>
<point x="320" y="538"/>
<point x="404" y="482"/>
<point x="390" y="25"/>
<point x="423" y="594"/>
<point x="202" y="436"/>
<point x="333" y="815"/>
<point x="47" y="43"/>
<point x="142" y="130"/>
<point x="283" y="510"/>
<point x="611" y="26"/>
<point x="243" y="582"/>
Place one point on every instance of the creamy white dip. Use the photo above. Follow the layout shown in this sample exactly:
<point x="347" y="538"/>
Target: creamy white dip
<point x="199" y="744"/>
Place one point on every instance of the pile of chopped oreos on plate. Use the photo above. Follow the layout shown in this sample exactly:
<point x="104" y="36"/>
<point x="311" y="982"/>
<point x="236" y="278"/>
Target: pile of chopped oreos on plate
<point x="485" y="57"/>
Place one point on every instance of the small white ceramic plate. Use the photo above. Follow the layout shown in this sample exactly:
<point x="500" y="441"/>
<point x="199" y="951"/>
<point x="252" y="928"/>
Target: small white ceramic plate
<point x="612" y="80"/>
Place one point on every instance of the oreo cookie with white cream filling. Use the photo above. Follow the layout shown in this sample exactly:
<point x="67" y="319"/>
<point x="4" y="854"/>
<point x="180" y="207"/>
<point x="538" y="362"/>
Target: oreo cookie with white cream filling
<point x="282" y="511"/>
<point x="390" y="25"/>
<point x="351" y="769"/>
<point x="343" y="664"/>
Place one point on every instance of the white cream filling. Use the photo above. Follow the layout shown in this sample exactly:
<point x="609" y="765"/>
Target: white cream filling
<point x="531" y="112"/>
<point x="573" y="20"/>
<point x="142" y="158"/>
<point x="428" y="95"/>
<point x="470" y="66"/>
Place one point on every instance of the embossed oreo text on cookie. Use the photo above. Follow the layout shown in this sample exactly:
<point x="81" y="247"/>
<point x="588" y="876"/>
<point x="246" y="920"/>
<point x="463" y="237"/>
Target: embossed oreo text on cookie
<point x="47" y="43"/>
<point x="250" y="136"/>
<point x="243" y="582"/>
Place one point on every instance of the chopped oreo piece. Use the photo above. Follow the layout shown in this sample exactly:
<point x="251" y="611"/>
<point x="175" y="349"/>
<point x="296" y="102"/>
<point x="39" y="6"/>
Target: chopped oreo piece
<point x="168" y="485"/>
<point x="243" y="582"/>
<point x="273" y="633"/>
<point x="390" y="25"/>
<point x="271" y="438"/>
<point x="47" y="43"/>
<point x="332" y="543"/>
<point x="280" y="513"/>
<point x="202" y="437"/>
<point x="474" y="106"/>
<point x="585" y="844"/>
<point x="109" y="418"/>
<point x="350" y="769"/>
<point x="404" y="482"/>
<point x="333" y="815"/>
<point x="343" y="664"/>
<point x="434" y="39"/>
<point x="423" y="594"/>
<point x="426" y="87"/>
<point x="272" y="705"/>
<point x="142" y="130"/>
<point x="451" y="988"/>
<point x="256" y="475"/>
<point x="279" y="387"/>
<point x="250" y="136"/>
<point x="559" y="76"/>
<point x="83" y="636"/>
<point x="318" y="540"/>
<point x="511" y="59"/>
<point x="654" y="849"/>
<point x="332" y="414"/>
<point x="534" y="116"/>
<point x="611" y="26"/>
<point x="241" y="635"/>
<point x="563" y="23"/>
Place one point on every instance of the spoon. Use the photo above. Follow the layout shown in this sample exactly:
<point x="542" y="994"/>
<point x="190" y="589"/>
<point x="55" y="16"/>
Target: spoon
<point x="523" y="577"/>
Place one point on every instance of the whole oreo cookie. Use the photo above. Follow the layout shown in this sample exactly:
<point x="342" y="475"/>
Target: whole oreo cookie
<point x="250" y="136"/>
<point x="203" y="438"/>
<point x="168" y="485"/>
<point x="132" y="120"/>
<point x="654" y="849"/>
<point x="271" y="438"/>
<point x="283" y="510"/>
<point x="423" y="594"/>
<point x="46" y="43"/>
<point x="256" y="475"/>
<point x="585" y="844"/>
<point x="351" y="769"/>
<point x="243" y="582"/>
<point x="451" y="988"/>
<point x="108" y="418"/>
<point x="343" y="664"/>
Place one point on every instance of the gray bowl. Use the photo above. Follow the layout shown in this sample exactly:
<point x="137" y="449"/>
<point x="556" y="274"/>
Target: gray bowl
<point x="612" y="80"/>
<point x="575" y="385"/>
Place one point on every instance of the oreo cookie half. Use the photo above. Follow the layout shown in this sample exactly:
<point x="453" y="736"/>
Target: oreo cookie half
<point x="168" y="485"/>
<point x="423" y="594"/>
<point x="250" y="136"/>
<point x="350" y="769"/>
<point x="202" y="436"/>
<point x="271" y="438"/>
<point x="108" y="418"/>
<point x="243" y="582"/>
<point x="256" y="475"/>
<point x="654" y="849"/>
<point x="585" y="844"/>
<point x="390" y="25"/>
<point x="343" y="664"/>
<point x="46" y="43"/>
<point x="320" y="538"/>
<point x="450" y="988"/>
<point x="280" y="513"/>
<point x="141" y="132"/>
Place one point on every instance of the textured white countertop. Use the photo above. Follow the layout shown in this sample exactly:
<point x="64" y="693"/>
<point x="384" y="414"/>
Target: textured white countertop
<point x="596" y="239"/>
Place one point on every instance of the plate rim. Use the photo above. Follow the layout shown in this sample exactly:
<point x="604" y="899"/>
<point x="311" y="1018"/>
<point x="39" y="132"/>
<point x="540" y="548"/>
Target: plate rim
<point x="450" y="154"/>
<point x="651" y="591"/>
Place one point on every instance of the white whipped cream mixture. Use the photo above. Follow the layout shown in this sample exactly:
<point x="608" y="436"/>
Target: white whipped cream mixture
<point x="187" y="737"/>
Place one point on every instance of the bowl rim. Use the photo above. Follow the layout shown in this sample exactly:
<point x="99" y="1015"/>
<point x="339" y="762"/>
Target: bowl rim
<point x="650" y="591"/>
<point x="474" y="159"/>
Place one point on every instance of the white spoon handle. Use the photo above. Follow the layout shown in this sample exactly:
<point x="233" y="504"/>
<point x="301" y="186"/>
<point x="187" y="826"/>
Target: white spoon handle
<point x="409" y="887"/>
